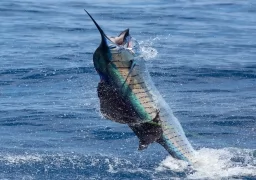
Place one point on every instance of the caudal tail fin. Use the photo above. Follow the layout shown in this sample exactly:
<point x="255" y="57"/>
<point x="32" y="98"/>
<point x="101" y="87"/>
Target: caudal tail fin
<point x="103" y="35"/>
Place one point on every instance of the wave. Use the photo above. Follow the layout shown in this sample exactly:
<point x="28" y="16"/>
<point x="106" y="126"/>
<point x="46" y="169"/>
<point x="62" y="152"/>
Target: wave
<point x="31" y="75"/>
<point x="178" y="74"/>
<point x="187" y="73"/>
<point x="66" y="166"/>
<point x="215" y="164"/>
<point x="211" y="164"/>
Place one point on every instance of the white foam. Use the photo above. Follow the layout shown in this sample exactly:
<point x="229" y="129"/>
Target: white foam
<point x="215" y="164"/>
<point x="19" y="159"/>
<point x="172" y="164"/>
<point x="146" y="50"/>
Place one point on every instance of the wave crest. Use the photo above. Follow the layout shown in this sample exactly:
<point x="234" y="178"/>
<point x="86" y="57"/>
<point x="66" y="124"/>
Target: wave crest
<point x="215" y="164"/>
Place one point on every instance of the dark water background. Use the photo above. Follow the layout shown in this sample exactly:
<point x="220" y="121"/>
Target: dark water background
<point x="205" y="67"/>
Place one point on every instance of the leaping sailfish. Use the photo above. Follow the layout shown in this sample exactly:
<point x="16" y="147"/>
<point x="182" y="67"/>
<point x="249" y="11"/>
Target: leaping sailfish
<point x="127" y="95"/>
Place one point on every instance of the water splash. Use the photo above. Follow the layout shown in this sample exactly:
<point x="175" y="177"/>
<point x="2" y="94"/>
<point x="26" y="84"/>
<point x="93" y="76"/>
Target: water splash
<point x="215" y="164"/>
<point x="146" y="49"/>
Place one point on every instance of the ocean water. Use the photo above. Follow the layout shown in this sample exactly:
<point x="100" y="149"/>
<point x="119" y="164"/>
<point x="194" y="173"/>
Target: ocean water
<point x="201" y="56"/>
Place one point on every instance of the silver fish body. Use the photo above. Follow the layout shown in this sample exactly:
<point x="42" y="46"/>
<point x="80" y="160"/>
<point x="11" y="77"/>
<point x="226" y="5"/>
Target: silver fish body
<point x="139" y="82"/>
<point x="128" y="95"/>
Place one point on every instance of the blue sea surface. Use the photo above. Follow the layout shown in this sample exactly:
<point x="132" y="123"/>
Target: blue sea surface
<point x="201" y="56"/>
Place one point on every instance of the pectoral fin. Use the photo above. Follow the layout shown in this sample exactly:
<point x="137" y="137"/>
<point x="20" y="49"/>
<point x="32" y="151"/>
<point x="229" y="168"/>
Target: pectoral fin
<point x="130" y="71"/>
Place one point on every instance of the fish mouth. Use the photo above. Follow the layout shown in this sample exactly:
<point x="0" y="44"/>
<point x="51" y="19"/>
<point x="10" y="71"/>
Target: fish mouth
<point x="124" y="39"/>
<point x="130" y="44"/>
<point x="121" y="39"/>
